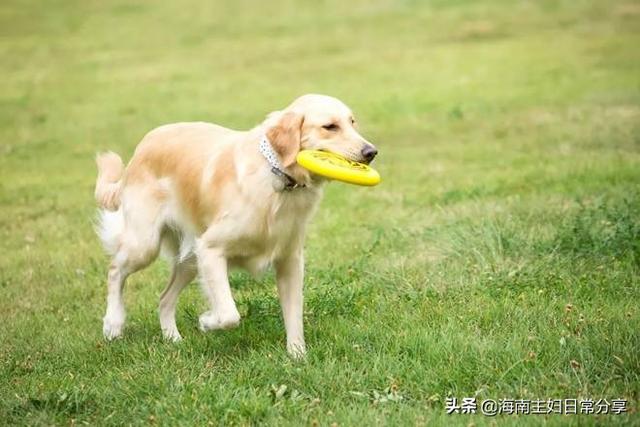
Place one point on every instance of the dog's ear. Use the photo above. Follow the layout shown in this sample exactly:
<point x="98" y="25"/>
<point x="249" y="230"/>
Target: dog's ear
<point x="285" y="137"/>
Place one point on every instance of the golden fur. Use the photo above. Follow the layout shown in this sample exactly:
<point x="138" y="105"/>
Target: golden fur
<point x="206" y="195"/>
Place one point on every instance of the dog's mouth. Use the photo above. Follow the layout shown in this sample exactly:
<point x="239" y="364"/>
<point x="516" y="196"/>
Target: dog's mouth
<point x="366" y="161"/>
<point x="347" y="157"/>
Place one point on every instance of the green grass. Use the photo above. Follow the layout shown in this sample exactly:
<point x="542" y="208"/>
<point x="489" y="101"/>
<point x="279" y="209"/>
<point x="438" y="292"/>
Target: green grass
<point x="500" y="257"/>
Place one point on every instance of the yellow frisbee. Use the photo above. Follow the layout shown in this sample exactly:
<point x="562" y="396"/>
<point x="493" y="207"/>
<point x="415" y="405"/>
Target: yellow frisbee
<point x="336" y="167"/>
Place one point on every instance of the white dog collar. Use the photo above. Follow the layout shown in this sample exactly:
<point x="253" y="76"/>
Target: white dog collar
<point x="276" y="168"/>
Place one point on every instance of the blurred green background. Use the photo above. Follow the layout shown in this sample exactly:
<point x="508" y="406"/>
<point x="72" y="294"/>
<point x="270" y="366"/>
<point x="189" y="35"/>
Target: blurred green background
<point x="498" y="258"/>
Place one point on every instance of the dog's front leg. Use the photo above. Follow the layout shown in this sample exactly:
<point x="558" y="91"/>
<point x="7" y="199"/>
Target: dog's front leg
<point x="290" y="276"/>
<point x="214" y="279"/>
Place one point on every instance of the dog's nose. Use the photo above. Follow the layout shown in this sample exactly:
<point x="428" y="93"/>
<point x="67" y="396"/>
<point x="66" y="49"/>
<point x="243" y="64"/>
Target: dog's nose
<point x="369" y="152"/>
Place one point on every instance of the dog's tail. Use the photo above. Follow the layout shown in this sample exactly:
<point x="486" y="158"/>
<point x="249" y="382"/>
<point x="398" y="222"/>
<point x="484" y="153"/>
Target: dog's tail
<point x="110" y="169"/>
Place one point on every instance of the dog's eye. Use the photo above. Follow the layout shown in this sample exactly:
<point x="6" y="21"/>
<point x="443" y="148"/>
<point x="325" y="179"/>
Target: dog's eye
<point x="331" y="127"/>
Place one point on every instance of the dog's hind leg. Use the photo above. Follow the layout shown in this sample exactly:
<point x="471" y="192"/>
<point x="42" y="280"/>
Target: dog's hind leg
<point x="135" y="245"/>
<point x="183" y="272"/>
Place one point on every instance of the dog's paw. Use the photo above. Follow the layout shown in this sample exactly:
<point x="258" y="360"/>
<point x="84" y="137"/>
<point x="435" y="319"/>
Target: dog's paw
<point x="171" y="335"/>
<point x="212" y="320"/>
<point x="112" y="328"/>
<point x="297" y="350"/>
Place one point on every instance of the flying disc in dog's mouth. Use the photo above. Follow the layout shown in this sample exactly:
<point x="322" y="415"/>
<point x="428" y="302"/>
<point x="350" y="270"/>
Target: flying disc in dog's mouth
<point x="336" y="167"/>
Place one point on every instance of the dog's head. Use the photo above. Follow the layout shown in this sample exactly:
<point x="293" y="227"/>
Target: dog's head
<point x="317" y="122"/>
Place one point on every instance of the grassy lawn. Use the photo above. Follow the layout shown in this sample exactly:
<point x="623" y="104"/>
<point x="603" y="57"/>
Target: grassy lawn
<point x="499" y="258"/>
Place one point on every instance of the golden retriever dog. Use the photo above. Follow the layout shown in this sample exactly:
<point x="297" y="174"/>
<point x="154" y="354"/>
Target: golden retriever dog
<point x="211" y="199"/>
